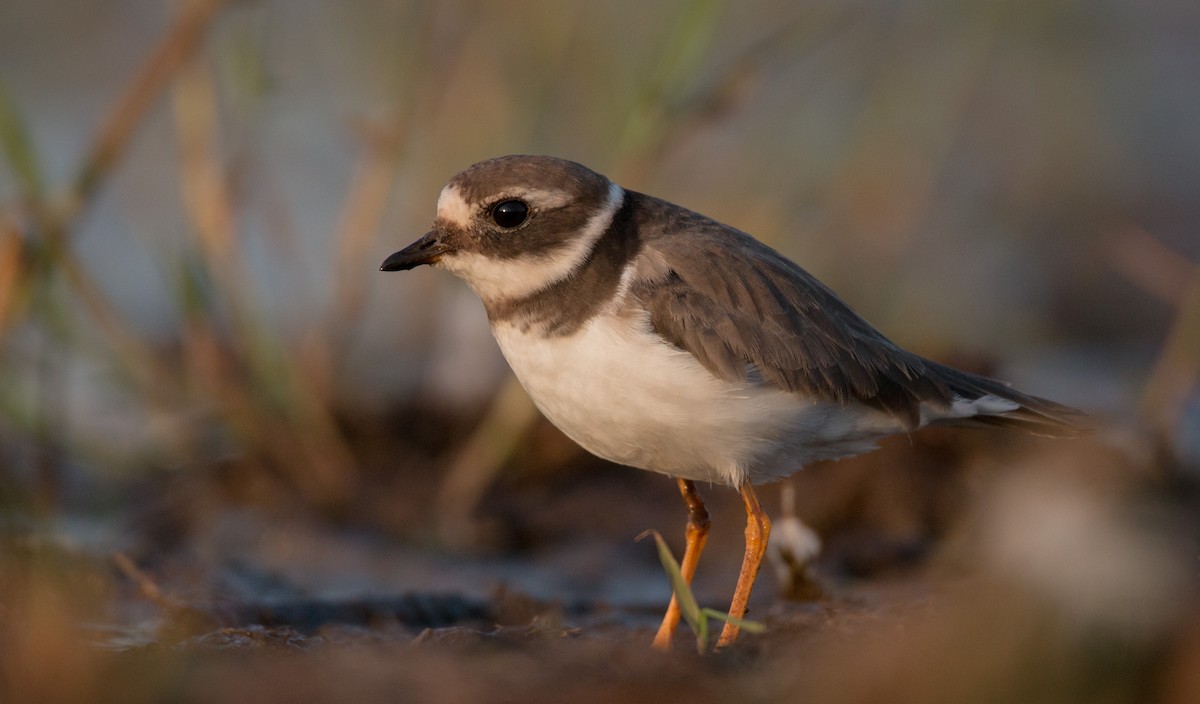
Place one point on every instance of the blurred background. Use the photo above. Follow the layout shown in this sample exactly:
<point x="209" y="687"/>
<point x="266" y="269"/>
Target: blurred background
<point x="212" y="404"/>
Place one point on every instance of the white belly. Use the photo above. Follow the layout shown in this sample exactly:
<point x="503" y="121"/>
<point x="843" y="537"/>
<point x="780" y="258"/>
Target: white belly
<point x="625" y="395"/>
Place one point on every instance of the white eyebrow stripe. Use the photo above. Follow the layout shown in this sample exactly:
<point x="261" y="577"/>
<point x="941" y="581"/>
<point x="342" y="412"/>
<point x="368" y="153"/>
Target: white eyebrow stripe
<point x="506" y="279"/>
<point x="543" y="198"/>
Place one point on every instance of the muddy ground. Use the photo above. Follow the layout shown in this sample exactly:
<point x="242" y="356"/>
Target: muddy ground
<point x="957" y="566"/>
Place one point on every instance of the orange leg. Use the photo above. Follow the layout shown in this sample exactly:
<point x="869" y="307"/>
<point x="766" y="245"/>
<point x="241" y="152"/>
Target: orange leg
<point x="758" y="530"/>
<point x="697" y="535"/>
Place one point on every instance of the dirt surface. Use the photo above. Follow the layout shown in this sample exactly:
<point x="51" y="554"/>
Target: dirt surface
<point x="954" y="569"/>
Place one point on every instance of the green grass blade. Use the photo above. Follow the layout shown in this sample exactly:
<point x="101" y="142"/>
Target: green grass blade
<point x="683" y="593"/>
<point x="744" y="624"/>
<point x="18" y="146"/>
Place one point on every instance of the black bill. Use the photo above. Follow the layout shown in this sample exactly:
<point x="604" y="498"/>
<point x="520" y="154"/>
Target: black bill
<point x="426" y="250"/>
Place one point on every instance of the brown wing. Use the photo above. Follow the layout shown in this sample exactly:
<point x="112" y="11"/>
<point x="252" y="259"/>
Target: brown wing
<point x="746" y="312"/>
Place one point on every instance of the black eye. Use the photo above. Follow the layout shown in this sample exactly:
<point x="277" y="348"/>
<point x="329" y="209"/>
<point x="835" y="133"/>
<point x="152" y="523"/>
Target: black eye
<point x="510" y="213"/>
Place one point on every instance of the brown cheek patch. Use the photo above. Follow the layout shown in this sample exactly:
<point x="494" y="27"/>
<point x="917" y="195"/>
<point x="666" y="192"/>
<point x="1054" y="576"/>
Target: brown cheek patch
<point x="563" y="307"/>
<point x="547" y="232"/>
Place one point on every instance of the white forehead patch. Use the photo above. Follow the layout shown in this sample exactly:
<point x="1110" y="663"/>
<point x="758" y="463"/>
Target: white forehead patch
<point x="453" y="208"/>
<point x="500" y="279"/>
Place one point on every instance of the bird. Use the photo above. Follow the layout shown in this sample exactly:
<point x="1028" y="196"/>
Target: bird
<point x="659" y="338"/>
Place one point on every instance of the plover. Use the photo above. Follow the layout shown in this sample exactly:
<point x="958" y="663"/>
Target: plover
<point x="658" y="338"/>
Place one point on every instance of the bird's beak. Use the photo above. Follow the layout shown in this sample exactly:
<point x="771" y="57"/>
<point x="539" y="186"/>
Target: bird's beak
<point x="426" y="250"/>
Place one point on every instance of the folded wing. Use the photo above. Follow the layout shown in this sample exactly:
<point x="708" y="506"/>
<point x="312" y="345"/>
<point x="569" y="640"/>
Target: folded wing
<point x="748" y="314"/>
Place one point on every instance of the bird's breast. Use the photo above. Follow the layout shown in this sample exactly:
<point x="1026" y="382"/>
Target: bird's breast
<point x="624" y="394"/>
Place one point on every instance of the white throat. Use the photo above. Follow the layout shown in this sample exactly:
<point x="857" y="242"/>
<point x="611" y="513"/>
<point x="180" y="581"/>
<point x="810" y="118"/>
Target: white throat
<point x="505" y="279"/>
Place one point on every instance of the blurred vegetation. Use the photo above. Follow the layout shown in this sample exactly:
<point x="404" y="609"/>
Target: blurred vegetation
<point x="195" y="197"/>
<point x="179" y="290"/>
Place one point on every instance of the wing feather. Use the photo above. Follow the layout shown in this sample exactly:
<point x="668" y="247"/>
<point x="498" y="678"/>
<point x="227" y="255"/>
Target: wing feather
<point x="747" y="313"/>
<point x="742" y="309"/>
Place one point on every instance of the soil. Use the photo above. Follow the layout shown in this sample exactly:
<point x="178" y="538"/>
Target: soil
<point x="218" y="589"/>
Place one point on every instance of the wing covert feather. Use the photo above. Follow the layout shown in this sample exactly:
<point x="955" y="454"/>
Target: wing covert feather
<point x="742" y="310"/>
<point x="747" y="313"/>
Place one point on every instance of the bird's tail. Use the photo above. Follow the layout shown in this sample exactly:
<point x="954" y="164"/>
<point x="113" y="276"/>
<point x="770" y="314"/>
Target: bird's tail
<point x="1031" y="414"/>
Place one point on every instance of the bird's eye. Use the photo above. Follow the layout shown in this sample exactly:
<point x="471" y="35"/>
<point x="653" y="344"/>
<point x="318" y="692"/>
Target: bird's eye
<point x="510" y="213"/>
